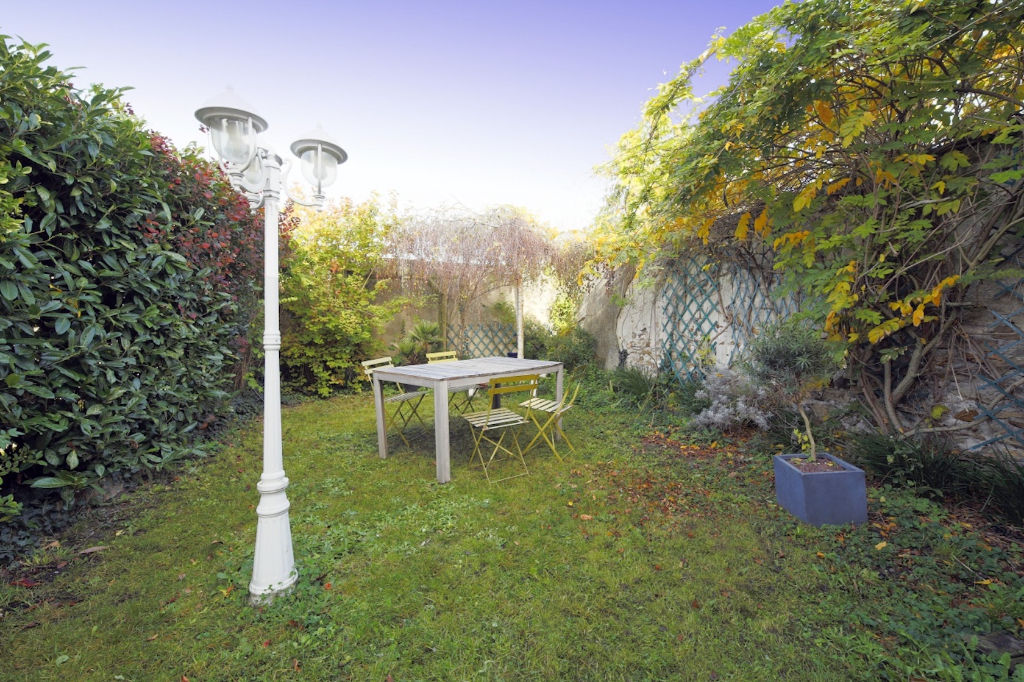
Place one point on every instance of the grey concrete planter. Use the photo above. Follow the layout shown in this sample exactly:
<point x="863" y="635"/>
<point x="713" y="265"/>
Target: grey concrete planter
<point x="828" y="497"/>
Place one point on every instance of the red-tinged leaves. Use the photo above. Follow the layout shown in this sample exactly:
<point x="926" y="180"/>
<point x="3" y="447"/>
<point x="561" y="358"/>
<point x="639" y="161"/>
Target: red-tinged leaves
<point x="24" y="582"/>
<point x="695" y="604"/>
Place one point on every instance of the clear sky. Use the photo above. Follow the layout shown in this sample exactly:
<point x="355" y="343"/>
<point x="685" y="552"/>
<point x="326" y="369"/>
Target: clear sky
<point x="441" y="103"/>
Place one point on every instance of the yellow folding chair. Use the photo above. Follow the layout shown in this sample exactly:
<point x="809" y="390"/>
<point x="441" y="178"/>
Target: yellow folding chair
<point x="551" y="427"/>
<point x="500" y="421"/>
<point x="406" y="403"/>
<point x="460" y="399"/>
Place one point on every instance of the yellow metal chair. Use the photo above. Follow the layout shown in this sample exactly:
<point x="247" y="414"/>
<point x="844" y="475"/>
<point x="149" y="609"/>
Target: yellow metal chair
<point x="460" y="399"/>
<point x="491" y="426"/>
<point x="406" y="403"/>
<point x="551" y="427"/>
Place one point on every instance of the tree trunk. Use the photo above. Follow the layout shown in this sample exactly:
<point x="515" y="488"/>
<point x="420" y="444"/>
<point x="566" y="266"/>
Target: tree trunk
<point x="442" y="319"/>
<point x="519" y="318"/>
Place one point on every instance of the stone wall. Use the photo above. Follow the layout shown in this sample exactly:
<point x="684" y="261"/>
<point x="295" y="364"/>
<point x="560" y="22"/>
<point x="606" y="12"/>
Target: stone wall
<point x="979" y="378"/>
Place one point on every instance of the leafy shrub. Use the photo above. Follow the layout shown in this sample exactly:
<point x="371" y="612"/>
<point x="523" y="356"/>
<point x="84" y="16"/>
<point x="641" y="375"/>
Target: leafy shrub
<point x="503" y="312"/>
<point x="536" y="338"/>
<point x="634" y="386"/>
<point x="934" y="467"/>
<point x="576" y="349"/>
<point x="930" y="464"/>
<point x="116" y="320"/>
<point x="563" y="312"/>
<point x="645" y="390"/>
<point x="690" y="396"/>
<point x="1003" y="476"/>
<point x="332" y="310"/>
<point x="791" y="360"/>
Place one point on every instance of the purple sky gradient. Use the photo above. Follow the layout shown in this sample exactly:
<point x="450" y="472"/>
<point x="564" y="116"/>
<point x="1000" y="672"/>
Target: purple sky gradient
<point x="441" y="103"/>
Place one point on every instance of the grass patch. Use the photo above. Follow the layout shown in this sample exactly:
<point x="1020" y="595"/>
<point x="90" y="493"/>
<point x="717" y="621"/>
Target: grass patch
<point x="649" y="555"/>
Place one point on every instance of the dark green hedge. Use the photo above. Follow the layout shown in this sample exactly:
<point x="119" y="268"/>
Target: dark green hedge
<point x="127" y="278"/>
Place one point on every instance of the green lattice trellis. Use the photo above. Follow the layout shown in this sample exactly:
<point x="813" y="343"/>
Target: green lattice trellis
<point x="482" y="340"/>
<point x="688" y="329"/>
<point x="691" y="299"/>
<point x="751" y="307"/>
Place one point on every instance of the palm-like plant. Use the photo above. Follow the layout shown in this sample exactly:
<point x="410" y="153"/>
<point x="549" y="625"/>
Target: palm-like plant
<point x="423" y="338"/>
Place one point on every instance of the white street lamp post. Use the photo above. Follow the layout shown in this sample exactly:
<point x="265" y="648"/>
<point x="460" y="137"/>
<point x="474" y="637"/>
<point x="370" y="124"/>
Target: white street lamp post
<point x="256" y="172"/>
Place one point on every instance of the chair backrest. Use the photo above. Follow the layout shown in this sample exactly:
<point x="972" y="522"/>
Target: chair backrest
<point x="379" y="363"/>
<point x="499" y="386"/>
<point x="442" y="356"/>
<point x="568" y="398"/>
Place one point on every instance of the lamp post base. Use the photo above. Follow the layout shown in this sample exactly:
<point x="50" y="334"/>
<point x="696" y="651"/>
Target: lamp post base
<point x="273" y="570"/>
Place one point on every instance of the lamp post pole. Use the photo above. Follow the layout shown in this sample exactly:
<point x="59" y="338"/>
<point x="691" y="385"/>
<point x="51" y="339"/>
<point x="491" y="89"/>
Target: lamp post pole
<point x="257" y="172"/>
<point x="273" y="569"/>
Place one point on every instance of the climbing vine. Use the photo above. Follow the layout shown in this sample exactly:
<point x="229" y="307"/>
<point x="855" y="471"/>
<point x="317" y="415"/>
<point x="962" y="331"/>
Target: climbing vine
<point x="869" y="152"/>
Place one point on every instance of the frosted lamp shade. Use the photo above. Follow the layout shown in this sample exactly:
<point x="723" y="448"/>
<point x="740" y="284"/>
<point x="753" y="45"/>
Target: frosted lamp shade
<point x="253" y="175"/>
<point x="319" y="159"/>
<point x="233" y="127"/>
<point x="233" y="139"/>
<point x="319" y="167"/>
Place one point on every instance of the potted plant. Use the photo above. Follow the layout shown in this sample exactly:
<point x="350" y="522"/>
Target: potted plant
<point x="818" y="488"/>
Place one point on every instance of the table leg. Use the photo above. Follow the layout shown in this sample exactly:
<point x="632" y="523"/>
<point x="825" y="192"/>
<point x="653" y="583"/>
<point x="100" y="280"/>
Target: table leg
<point x="378" y="406"/>
<point x="441" y="445"/>
<point x="558" y="397"/>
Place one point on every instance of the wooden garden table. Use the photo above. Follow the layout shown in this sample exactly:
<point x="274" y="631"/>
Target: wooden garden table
<point x="444" y="376"/>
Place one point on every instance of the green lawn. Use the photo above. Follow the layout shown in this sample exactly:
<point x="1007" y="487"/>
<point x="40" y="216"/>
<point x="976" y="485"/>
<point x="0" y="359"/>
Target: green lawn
<point x="648" y="555"/>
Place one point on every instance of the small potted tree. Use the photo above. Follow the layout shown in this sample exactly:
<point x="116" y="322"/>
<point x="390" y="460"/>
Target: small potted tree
<point x="818" y="488"/>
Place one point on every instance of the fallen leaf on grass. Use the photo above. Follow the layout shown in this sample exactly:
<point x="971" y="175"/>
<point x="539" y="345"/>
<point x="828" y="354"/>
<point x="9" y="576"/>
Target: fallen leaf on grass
<point x="92" y="550"/>
<point x="881" y="545"/>
<point x="586" y="517"/>
<point x="695" y="604"/>
<point x="152" y="637"/>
